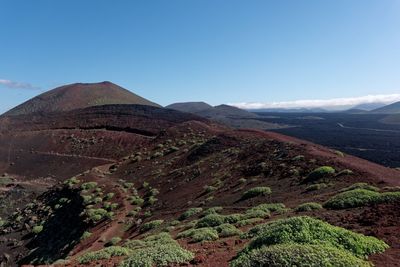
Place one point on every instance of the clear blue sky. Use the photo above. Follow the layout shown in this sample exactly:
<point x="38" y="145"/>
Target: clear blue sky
<point x="211" y="50"/>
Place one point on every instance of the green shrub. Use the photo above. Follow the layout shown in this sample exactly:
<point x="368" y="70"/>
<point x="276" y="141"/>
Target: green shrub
<point x="226" y="230"/>
<point x="257" y="212"/>
<point x="360" y="197"/>
<point x="86" y="235"/>
<point x="298" y="255"/>
<point x="88" y="185"/>
<point x="242" y="180"/>
<point x="103" y="254"/>
<point x="109" y="196"/>
<point x="256" y="191"/>
<point x="233" y="218"/>
<point x="360" y="186"/>
<point x="211" y="220"/>
<point x="200" y="234"/>
<point x="95" y="215"/>
<point x="135" y="243"/>
<point x="136" y="200"/>
<point x="319" y="173"/>
<point x="151" y="225"/>
<point x="307" y="230"/>
<point x="309" y="206"/>
<point x="210" y="188"/>
<point x="213" y="210"/>
<point x="315" y="187"/>
<point x="37" y="229"/>
<point x="113" y="241"/>
<point x="189" y="213"/>
<point x="174" y="223"/>
<point x="151" y="200"/>
<point x="157" y="250"/>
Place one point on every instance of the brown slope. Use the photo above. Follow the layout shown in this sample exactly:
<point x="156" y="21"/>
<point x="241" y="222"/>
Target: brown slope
<point x="77" y="96"/>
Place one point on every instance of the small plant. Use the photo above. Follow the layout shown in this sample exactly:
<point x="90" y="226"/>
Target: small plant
<point x="315" y="187"/>
<point x="86" y="235"/>
<point x="189" y="213"/>
<point x="200" y="234"/>
<point x="309" y="206"/>
<point x="88" y="185"/>
<point x="151" y="225"/>
<point x="248" y="222"/>
<point x="113" y="241"/>
<point x="319" y="173"/>
<point x="211" y="220"/>
<point x="151" y="200"/>
<point x="360" y="186"/>
<point x="136" y="200"/>
<point x="109" y="196"/>
<point x="242" y="180"/>
<point x="37" y="229"/>
<point x="103" y="254"/>
<point x="210" y="188"/>
<point x="213" y="210"/>
<point x="256" y="191"/>
<point x="226" y="230"/>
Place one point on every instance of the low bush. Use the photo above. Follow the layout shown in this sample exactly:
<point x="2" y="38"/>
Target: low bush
<point x="256" y="191"/>
<point x="151" y="225"/>
<point x="156" y="250"/>
<point x="103" y="254"/>
<point x="113" y="241"/>
<point x="211" y="220"/>
<point x="315" y="187"/>
<point x="96" y="215"/>
<point x="109" y="196"/>
<point x="298" y="255"/>
<point x="212" y="210"/>
<point x="307" y="230"/>
<point x="360" y="186"/>
<point x="86" y="235"/>
<point x="200" y="234"/>
<point x="88" y="185"/>
<point x="226" y="230"/>
<point x="309" y="206"/>
<point x="360" y="197"/>
<point x="189" y="213"/>
<point x="319" y="173"/>
<point x="136" y="200"/>
<point x="37" y="229"/>
<point x="210" y="188"/>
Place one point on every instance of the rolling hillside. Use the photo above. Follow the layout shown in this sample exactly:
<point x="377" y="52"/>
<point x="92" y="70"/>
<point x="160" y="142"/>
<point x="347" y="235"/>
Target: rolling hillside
<point x="389" y="109"/>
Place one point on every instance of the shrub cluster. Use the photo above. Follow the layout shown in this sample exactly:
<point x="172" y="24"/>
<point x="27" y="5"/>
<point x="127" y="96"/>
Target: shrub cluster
<point x="309" y="206"/>
<point x="151" y="225"/>
<point x="200" y="234"/>
<point x="256" y="191"/>
<point x="360" y="197"/>
<point x="189" y="213"/>
<point x="319" y="173"/>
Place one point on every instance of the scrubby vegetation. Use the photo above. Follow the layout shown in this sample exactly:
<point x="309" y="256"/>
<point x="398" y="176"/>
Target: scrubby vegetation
<point x="256" y="191"/>
<point x="105" y="253"/>
<point x="157" y="250"/>
<point x="189" y="213"/>
<point x="307" y="230"/>
<point x="298" y="255"/>
<point x="360" y="197"/>
<point x="200" y="234"/>
<point x="151" y="225"/>
<point x="315" y="187"/>
<point x="309" y="206"/>
<point x="361" y="186"/>
<point x="319" y="173"/>
<point x="226" y="230"/>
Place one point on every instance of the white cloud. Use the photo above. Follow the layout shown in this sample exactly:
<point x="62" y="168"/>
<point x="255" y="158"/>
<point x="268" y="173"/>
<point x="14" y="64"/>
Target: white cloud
<point x="322" y="103"/>
<point x="16" y="85"/>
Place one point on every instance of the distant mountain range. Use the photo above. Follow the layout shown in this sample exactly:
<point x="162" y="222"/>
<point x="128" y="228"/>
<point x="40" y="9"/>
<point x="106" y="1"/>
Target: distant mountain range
<point x="389" y="109"/>
<point x="228" y="115"/>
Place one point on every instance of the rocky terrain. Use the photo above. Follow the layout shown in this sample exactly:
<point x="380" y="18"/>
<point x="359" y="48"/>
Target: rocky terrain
<point x="137" y="185"/>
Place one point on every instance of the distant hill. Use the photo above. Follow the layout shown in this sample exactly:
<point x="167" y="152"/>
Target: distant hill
<point x="79" y="95"/>
<point x="369" y="106"/>
<point x="225" y="114"/>
<point x="190" y="107"/>
<point x="389" y="109"/>
<point x="291" y="110"/>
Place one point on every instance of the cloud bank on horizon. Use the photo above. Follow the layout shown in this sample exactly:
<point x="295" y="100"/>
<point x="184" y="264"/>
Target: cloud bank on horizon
<point x="16" y="85"/>
<point x="322" y="103"/>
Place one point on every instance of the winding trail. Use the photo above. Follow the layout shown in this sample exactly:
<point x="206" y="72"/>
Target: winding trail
<point x="341" y="125"/>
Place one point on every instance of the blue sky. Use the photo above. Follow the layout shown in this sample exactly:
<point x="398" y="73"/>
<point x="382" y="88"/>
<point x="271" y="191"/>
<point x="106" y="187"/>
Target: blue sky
<point x="210" y="50"/>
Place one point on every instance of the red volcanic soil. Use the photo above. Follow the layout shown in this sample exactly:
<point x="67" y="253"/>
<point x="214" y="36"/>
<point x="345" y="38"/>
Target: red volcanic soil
<point x="180" y="155"/>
